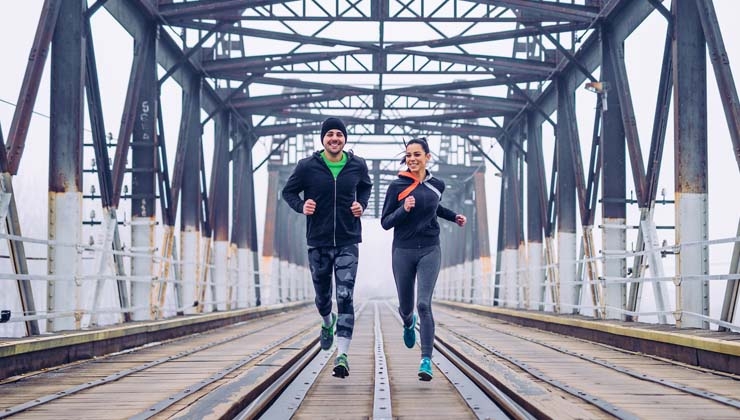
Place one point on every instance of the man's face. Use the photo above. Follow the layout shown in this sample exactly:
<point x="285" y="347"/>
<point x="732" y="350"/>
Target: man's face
<point x="333" y="141"/>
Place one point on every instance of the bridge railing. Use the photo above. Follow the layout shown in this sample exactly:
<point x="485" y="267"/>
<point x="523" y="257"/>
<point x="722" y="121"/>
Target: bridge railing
<point x="660" y="292"/>
<point x="33" y="301"/>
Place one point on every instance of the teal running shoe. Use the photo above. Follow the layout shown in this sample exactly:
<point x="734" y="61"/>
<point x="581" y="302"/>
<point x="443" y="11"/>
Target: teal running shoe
<point x="425" y="369"/>
<point x="327" y="333"/>
<point x="341" y="366"/>
<point x="409" y="333"/>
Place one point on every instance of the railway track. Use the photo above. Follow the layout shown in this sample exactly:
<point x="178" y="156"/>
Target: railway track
<point x="272" y="367"/>
<point x="481" y="398"/>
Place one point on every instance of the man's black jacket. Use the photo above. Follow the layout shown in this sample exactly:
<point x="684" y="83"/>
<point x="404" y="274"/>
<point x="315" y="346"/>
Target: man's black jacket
<point x="333" y="223"/>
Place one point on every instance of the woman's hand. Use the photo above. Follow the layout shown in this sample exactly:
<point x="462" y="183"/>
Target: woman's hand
<point x="409" y="203"/>
<point x="460" y="220"/>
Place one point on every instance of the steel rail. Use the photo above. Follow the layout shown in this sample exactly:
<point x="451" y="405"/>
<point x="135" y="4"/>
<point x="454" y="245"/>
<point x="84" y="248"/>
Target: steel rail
<point x="283" y="396"/>
<point x="382" y="403"/>
<point x="293" y="384"/>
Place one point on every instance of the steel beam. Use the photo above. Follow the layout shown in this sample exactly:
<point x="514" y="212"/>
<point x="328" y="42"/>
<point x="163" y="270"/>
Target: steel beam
<point x="143" y="177"/>
<point x="536" y="215"/>
<point x="722" y="71"/>
<point x="31" y="82"/>
<point x="65" y="167"/>
<point x="690" y="132"/>
<point x="613" y="203"/>
<point x="568" y="284"/>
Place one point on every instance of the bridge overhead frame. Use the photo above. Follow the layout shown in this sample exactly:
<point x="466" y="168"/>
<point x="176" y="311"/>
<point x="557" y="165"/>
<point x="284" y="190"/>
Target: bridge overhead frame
<point x="481" y="109"/>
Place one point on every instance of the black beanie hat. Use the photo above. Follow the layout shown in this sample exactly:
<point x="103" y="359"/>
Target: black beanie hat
<point x="332" y="123"/>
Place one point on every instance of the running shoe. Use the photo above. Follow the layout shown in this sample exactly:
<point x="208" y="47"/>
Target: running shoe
<point x="425" y="369"/>
<point x="341" y="366"/>
<point x="409" y="333"/>
<point x="327" y="333"/>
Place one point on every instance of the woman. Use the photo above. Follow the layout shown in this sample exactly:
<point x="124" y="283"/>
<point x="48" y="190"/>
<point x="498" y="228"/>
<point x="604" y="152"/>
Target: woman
<point x="412" y="205"/>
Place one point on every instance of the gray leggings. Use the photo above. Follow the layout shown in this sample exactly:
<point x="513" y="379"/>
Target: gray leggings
<point x="423" y="265"/>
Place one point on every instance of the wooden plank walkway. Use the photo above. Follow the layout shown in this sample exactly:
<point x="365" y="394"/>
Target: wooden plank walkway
<point x="134" y="393"/>
<point x="571" y="361"/>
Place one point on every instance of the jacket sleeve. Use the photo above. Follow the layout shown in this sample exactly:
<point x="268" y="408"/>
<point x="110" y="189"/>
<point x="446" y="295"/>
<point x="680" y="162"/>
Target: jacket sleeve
<point x="393" y="212"/>
<point x="446" y="213"/>
<point x="365" y="187"/>
<point x="293" y="187"/>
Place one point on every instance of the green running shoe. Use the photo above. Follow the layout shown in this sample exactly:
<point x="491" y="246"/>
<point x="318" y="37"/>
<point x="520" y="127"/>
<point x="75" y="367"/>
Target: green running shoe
<point x="341" y="366"/>
<point x="327" y="333"/>
<point x="409" y="333"/>
<point x="425" y="369"/>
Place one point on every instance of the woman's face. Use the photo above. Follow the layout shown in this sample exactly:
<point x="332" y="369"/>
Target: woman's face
<point x="416" y="158"/>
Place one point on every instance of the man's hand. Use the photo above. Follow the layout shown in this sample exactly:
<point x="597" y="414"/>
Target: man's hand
<point x="356" y="209"/>
<point x="409" y="203"/>
<point x="460" y="220"/>
<point x="309" y="207"/>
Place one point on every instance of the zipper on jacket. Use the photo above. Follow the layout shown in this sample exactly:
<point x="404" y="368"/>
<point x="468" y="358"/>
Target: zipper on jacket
<point x="335" y="212"/>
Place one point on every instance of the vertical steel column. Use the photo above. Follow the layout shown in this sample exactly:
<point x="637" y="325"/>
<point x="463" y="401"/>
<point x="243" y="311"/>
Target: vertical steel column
<point x="252" y="256"/>
<point x="466" y="234"/>
<point x="293" y="248"/>
<point x="498" y="287"/>
<point x="522" y="272"/>
<point x="239" y="245"/>
<point x="482" y="245"/>
<point x="190" y="194"/>
<point x="613" y="207"/>
<point x="566" y="203"/>
<point x="285" y="234"/>
<point x="536" y="202"/>
<point x="269" y="256"/>
<point x="510" y="255"/>
<point x="690" y="126"/>
<point x="143" y="182"/>
<point x="219" y="212"/>
<point x="65" y="166"/>
<point x="206" y="238"/>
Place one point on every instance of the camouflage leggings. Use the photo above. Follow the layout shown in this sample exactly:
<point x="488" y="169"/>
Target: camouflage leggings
<point x="342" y="260"/>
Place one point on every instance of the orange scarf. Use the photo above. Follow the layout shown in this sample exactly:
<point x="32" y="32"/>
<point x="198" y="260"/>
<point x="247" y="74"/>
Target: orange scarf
<point x="405" y="193"/>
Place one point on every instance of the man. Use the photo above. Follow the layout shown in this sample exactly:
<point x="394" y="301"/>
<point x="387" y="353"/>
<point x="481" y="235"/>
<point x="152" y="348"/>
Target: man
<point x="336" y="188"/>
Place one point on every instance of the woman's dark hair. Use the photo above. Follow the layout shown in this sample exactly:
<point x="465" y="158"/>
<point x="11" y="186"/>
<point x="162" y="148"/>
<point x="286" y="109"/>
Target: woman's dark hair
<point x="420" y="141"/>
